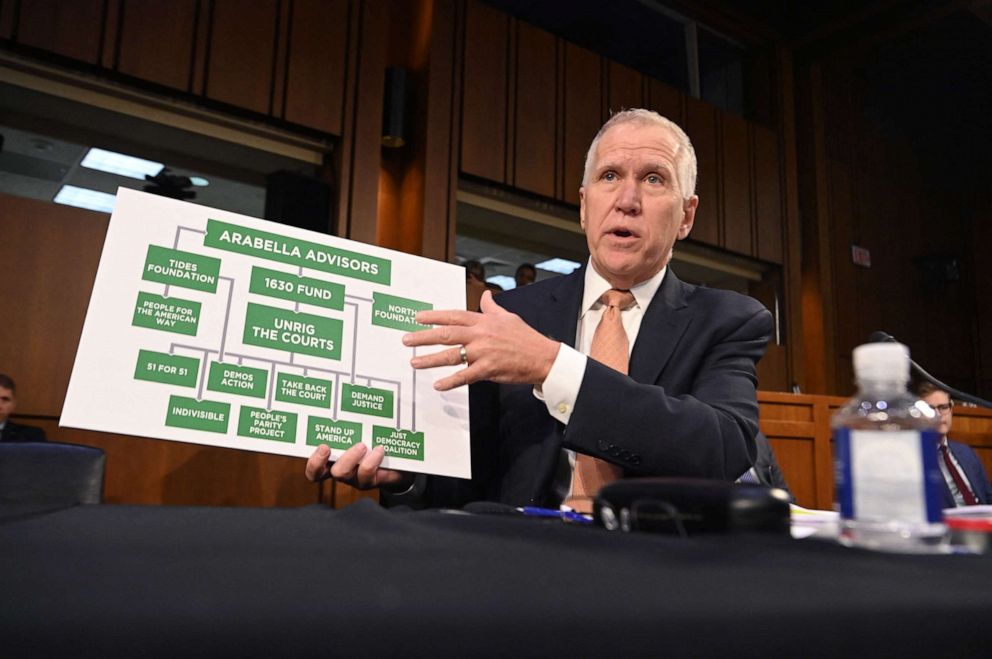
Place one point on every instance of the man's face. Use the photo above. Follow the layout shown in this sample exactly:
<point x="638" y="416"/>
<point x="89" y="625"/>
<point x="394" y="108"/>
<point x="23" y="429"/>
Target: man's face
<point x="631" y="207"/>
<point x="940" y="399"/>
<point x="7" y="403"/>
<point x="525" y="276"/>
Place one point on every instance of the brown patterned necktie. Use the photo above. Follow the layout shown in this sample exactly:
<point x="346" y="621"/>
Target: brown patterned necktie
<point x="611" y="347"/>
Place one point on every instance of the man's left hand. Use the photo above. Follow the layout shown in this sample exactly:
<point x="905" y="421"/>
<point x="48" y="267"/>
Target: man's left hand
<point x="499" y="346"/>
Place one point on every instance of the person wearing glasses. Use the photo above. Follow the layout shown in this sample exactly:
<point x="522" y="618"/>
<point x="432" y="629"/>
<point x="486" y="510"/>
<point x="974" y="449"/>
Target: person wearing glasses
<point x="965" y="480"/>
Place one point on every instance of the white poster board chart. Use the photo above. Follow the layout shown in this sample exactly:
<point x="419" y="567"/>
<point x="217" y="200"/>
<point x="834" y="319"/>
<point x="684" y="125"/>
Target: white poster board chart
<point x="214" y="328"/>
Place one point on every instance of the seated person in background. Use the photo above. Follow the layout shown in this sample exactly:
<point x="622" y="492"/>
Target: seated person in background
<point x="526" y="274"/>
<point x="617" y="370"/>
<point x="765" y="470"/>
<point x="965" y="481"/>
<point x="475" y="284"/>
<point x="10" y="431"/>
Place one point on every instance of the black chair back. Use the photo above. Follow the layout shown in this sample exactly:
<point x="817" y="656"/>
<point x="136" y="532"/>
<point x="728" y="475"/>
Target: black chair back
<point x="50" y="472"/>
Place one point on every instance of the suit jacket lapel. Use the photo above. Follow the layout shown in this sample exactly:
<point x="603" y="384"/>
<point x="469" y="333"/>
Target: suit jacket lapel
<point x="559" y="317"/>
<point x="665" y="321"/>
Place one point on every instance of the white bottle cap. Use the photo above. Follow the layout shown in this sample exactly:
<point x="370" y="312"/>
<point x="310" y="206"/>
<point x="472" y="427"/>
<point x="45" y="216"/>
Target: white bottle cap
<point x="882" y="362"/>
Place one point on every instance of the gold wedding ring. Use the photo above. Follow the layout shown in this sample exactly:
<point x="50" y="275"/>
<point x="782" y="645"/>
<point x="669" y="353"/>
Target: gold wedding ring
<point x="463" y="353"/>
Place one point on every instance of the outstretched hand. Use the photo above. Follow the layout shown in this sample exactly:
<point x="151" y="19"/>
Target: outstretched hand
<point x="498" y="346"/>
<point x="358" y="467"/>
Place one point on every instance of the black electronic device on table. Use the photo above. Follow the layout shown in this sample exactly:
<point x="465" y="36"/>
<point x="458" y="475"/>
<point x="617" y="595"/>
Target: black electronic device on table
<point x="686" y="506"/>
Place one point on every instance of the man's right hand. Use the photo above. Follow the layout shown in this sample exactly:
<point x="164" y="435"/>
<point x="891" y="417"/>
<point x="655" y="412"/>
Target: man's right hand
<point x="357" y="467"/>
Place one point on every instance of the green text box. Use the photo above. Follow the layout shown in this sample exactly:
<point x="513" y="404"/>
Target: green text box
<point x="259" y="423"/>
<point x="288" y="286"/>
<point x="336" y="434"/>
<point x="366" y="400"/>
<point x="284" y="249"/>
<point x="197" y="414"/>
<point x="303" y="391"/>
<point x="284" y="329"/>
<point x="169" y="314"/>
<point x="399" y="443"/>
<point x="178" y="268"/>
<point x="234" y="379"/>
<point x="397" y="312"/>
<point x="167" y="369"/>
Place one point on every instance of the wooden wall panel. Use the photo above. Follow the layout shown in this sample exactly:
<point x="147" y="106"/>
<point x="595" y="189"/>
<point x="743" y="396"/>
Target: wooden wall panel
<point x="111" y="33"/>
<point x="735" y="170"/>
<point x="441" y="134"/>
<point x="484" y="92"/>
<point x="71" y="28"/>
<point x="535" y="111"/>
<point x="847" y="282"/>
<point x="773" y="369"/>
<point x="48" y="259"/>
<point x="361" y="145"/>
<point x="316" y="67"/>
<point x="583" y="74"/>
<point x="981" y="239"/>
<point x="156" y="41"/>
<point x="855" y="159"/>
<point x="626" y="89"/>
<point x="242" y="53"/>
<point x="201" y="48"/>
<point x="767" y="195"/>
<point x="666" y="101"/>
<point x="7" y="19"/>
<point x="701" y="126"/>
<point x="973" y="426"/>
<point x="280" y="67"/>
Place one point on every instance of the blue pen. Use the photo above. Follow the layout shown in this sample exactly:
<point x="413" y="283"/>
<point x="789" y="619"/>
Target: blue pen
<point x="566" y="515"/>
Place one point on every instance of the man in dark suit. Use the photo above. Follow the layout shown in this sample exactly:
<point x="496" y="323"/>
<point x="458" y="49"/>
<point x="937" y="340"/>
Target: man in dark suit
<point x="10" y="431"/>
<point x="965" y="480"/>
<point x="765" y="470"/>
<point x="543" y="412"/>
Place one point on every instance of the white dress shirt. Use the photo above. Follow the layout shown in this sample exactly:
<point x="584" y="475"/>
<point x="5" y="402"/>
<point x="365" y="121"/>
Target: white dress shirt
<point x="561" y="387"/>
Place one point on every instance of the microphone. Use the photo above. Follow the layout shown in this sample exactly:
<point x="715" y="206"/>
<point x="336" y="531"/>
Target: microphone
<point x="881" y="337"/>
<point x="884" y="337"/>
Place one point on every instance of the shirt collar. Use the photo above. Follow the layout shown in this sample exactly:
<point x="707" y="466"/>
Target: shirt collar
<point x="595" y="286"/>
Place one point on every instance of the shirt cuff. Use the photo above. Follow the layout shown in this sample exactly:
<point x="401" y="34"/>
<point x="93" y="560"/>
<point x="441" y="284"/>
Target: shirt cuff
<point x="561" y="387"/>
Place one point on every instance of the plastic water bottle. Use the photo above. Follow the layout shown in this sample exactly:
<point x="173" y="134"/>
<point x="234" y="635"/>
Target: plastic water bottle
<point x="885" y="459"/>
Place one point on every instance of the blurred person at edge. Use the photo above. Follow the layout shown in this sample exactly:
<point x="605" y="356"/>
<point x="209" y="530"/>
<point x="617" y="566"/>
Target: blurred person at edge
<point x="10" y="431"/>
<point x="962" y="458"/>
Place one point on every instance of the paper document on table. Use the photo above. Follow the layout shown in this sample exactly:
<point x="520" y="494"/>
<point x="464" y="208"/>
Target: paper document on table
<point x="807" y="522"/>
<point x="214" y="328"/>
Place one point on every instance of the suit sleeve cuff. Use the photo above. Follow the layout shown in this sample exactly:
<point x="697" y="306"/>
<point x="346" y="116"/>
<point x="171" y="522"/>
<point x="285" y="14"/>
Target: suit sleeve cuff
<point x="561" y="387"/>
